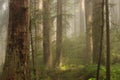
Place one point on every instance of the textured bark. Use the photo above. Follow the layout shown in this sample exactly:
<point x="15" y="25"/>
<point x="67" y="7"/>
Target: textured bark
<point x="16" y="65"/>
<point x="46" y="34"/>
<point x="59" y="34"/>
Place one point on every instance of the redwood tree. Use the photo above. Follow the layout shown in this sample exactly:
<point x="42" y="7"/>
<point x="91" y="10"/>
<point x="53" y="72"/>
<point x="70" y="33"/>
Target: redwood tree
<point x="16" y="65"/>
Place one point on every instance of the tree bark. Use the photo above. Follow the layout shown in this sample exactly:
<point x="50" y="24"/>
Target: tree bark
<point x="89" y="40"/>
<point x="82" y="16"/>
<point x="59" y="34"/>
<point x="96" y="29"/>
<point x="101" y="42"/>
<point x="46" y="34"/>
<point x="16" y="65"/>
<point x="107" y="41"/>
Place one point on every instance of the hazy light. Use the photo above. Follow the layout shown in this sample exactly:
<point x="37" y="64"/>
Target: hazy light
<point x="83" y="6"/>
<point x="40" y="4"/>
<point x="4" y="6"/>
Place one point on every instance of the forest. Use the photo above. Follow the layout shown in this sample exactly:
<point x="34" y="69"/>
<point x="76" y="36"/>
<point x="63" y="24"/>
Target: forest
<point x="59" y="39"/>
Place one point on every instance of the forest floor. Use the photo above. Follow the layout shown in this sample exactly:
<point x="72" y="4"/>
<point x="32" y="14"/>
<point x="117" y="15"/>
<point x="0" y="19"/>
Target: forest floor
<point x="85" y="73"/>
<point x="69" y="74"/>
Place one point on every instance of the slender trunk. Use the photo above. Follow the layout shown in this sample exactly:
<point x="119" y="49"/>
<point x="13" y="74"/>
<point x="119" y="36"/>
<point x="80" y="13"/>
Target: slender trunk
<point x="75" y="26"/>
<point x="89" y="41"/>
<point x="108" y="41"/>
<point x="59" y="34"/>
<point x="46" y="35"/>
<point x="33" y="54"/>
<point x="82" y="17"/>
<point x="96" y="29"/>
<point x="101" y="42"/>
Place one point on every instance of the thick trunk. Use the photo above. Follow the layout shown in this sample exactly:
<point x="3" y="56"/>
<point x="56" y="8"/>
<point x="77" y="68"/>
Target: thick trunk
<point x="16" y="65"/>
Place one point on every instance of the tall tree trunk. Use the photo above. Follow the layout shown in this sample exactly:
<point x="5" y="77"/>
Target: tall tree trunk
<point x="64" y="11"/>
<point x="82" y="16"/>
<point x="108" y="41"/>
<point x="96" y="29"/>
<point x="75" y="20"/>
<point x="33" y="55"/>
<point x="89" y="41"/>
<point x="38" y="29"/>
<point x="101" y="42"/>
<point x="34" y="49"/>
<point x="16" y="65"/>
<point x="46" y="34"/>
<point x="59" y="34"/>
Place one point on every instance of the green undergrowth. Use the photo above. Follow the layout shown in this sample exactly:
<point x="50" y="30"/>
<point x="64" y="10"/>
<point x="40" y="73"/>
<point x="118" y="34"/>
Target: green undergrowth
<point x="80" y="73"/>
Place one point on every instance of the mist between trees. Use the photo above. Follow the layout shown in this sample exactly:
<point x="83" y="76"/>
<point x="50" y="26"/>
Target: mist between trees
<point x="59" y="39"/>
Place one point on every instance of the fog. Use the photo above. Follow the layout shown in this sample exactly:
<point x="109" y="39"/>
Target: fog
<point x="80" y="39"/>
<point x="76" y="26"/>
<point x="3" y="27"/>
